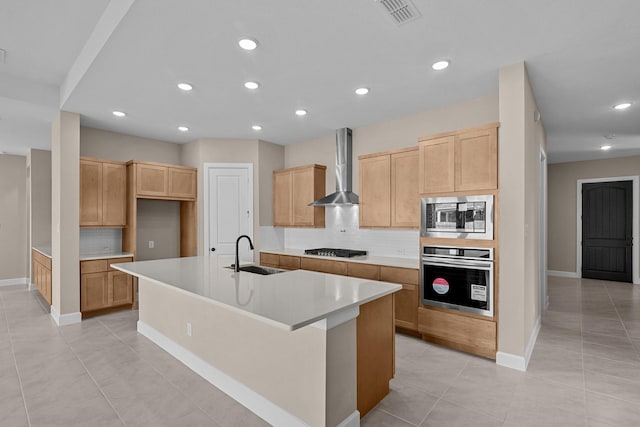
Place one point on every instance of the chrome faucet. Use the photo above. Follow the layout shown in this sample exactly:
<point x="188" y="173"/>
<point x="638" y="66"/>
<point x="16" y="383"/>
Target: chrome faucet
<point x="237" y="264"/>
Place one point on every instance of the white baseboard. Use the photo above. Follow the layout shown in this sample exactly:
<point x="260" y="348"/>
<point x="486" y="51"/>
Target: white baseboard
<point x="352" y="420"/>
<point x="520" y="363"/>
<point x="16" y="281"/>
<point x="65" y="319"/>
<point x="255" y="402"/>
<point x="568" y="274"/>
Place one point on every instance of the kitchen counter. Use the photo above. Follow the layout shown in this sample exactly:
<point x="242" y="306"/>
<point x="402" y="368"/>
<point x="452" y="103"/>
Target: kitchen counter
<point x="288" y="300"/>
<point x="366" y="259"/>
<point x="46" y="251"/>
<point x="294" y="347"/>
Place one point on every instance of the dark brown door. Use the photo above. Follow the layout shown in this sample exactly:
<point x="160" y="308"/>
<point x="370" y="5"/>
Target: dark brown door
<point x="607" y="230"/>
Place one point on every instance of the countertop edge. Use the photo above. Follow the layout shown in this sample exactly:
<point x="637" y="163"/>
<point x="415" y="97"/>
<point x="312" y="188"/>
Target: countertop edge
<point x="370" y="259"/>
<point x="46" y="251"/>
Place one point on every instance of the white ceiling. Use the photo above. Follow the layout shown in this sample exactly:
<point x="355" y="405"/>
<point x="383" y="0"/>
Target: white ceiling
<point x="583" y="57"/>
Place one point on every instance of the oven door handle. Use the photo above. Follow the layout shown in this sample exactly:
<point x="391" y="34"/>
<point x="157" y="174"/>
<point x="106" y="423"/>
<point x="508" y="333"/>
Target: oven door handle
<point x="477" y="265"/>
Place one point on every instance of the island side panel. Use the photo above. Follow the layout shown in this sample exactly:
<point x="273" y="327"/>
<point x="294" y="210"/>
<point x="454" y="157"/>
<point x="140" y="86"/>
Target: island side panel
<point x="294" y="370"/>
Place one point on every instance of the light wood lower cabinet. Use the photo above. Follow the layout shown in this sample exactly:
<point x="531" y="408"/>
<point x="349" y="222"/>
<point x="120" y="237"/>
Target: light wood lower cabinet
<point x="465" y="333"/>
<point x="41" y="274"/>
<point x="407" y="299"/>
<point x="102" y="287"/>
<point x="324" y="266"/>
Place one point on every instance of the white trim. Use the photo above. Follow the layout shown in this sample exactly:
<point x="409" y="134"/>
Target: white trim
<point x="569" y="274"/>
<point x="338" y="318"/>
<point x="16" y="281"/>
<point x="542" y="232"/>
<point x="520" y="363"/>
<point x="65" y="319"/>
<point x="352" y="420"/>
<point x="256" y="403"/>
<point x="635" y="253"/>
<point x="205" y="198"/>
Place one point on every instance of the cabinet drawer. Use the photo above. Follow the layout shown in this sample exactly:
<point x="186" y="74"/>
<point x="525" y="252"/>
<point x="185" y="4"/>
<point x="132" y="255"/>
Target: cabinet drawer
<point x="269" y="259"/>
<point x="117" y="261"/>
<point x="465" y="333"/>
<point x="289" y="262"/>
<point x="363" y="271"/>
<point x="324" y="266"/>
<point x="93" y="266"/>
<point x="399" y="275"/>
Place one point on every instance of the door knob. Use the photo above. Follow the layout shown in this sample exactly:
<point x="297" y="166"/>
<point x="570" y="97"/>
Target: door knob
<point x="213" y="249"/>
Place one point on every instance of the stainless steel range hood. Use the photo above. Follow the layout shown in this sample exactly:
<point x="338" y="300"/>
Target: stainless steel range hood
<point x="344" y="170"/>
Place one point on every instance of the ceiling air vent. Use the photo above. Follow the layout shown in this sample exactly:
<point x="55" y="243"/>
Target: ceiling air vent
<point x="401" y="11"/>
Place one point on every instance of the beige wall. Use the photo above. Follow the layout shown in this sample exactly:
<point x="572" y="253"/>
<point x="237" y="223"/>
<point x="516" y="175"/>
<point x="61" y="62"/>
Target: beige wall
<point x="40" y="197"/>
<point x="393" y="134"/>
<point x="562" y="180"/>
<point x="120" y="147"/>
<point x="65" y="214"/>
<point x="158" y="220"/>
<point x="520" y="139"/>
<point x="271" y="157"/>
<point x="13" y="217"/>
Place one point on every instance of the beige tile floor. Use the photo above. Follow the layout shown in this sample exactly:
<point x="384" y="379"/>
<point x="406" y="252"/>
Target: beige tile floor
<point x="585" y="371"/>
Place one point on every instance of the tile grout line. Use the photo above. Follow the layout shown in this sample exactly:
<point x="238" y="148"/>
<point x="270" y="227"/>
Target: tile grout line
<point x="162" y="375"/>
<point x="15" y="363"/>
<point x="75" y="353"/>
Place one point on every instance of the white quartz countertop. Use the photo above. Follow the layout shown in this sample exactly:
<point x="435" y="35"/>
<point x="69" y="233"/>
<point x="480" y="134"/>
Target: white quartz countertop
<point x="46" y="251"/>
<point x="288" y="300"/>
<point x="366" y="259"/>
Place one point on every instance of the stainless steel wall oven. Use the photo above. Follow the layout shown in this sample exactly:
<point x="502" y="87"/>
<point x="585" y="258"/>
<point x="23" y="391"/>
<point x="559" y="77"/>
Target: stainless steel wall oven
<point x="459" y="278"/>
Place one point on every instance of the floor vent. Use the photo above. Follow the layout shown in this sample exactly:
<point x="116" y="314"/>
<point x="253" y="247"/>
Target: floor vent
<point x="401" y="11"/>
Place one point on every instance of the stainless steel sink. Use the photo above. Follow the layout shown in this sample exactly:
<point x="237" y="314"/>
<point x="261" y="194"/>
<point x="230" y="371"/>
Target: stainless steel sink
<point x="256" y="269"/>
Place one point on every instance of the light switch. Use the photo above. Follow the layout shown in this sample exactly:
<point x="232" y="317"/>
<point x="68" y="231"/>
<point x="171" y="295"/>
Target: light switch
<point x="151" y="244"/>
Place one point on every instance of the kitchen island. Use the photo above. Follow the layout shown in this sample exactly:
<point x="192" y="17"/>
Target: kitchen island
<point x="285" y="345"/>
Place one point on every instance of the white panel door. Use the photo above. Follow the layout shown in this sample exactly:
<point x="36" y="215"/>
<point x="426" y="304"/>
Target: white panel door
<point x="230" y="210"/>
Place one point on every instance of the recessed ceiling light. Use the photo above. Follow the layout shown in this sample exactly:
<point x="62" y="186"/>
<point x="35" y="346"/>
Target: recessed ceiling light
<point x="252" y="85"/>
<point x="622" y="106"/>
<point x="119" y="113"/>
<point x="605" y="147"/>
<point x="248" y="44"/>
<point x="301" y="112"/>
<point x="183" y="128"/>
<point x="440" y="65"/>
<point x="185" y="86"/>
<point x="256" y="127"/>
<point x="362" y="91"/>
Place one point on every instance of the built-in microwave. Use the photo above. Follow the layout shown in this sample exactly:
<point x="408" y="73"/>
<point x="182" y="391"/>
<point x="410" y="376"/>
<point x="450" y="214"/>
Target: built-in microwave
<point x="468" y="217"/>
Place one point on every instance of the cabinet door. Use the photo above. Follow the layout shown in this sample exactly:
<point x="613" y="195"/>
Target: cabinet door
<point x="405" y="197"/>
<point x="120" y="288"/>
<point x="47" y="285"/>
<point x="302" y="195"/>
<point x="437" y="163"/>
<point x="114" y="194"/>
<point x="94" y="291"/>
<point x="477" y="160"/>
<point x="90" y="193"/>
<point x="407" y="307"/>
<point x="282" y="203"/>
<point x="375" y="191"/>
<point x="182" y="183"/>
<point x="151" y="180"/>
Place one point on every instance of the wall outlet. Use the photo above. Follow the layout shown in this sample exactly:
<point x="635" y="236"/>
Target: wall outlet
<point x="152" y="244"/>
<point x="188" y="329"/>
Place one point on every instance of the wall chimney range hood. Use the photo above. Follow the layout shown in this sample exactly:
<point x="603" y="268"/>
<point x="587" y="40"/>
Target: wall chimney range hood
<point x="344" y="169"/>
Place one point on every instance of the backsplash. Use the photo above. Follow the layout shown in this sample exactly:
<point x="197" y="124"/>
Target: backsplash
<point x="342" y="231"/>
<point x="100" y="240"/>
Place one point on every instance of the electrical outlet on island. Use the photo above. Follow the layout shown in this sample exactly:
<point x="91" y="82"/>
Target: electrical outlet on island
<point x="152" y="244"/>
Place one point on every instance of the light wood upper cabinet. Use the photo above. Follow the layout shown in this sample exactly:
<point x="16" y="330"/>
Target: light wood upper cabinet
<point x="103" y="190"/>
<point x="293" y="190"/>
<point x="160" y="181"/>
<point x="437" y="160"/>
<point x="465" y="160"/>
<point x="389" y="189"/>
<point x="477" y="160"/>
<point x="375" y="191"/>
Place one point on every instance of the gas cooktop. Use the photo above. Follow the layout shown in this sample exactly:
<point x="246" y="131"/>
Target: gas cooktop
<point x="333" y="252"/>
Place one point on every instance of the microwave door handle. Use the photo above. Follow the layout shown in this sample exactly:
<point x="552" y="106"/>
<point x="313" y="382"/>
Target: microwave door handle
<point x="479" y="265"/>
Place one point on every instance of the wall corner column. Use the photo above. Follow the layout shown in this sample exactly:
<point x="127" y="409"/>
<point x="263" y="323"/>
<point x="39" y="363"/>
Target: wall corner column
<point x="65" y="218"/>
